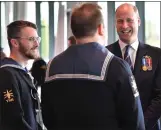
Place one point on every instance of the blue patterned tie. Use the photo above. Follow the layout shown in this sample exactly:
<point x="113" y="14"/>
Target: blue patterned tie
<point x="127" y="57"/>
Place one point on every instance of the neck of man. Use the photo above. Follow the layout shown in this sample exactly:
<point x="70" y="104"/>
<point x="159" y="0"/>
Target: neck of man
<point x="19" y="58"/>
<point x="129" y="42"/>
<point x="86" y="40"/>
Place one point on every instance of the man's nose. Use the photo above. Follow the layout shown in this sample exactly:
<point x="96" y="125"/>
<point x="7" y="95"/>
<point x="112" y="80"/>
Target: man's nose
<point x="37" y="42"/>
<point x="124" y="24"/>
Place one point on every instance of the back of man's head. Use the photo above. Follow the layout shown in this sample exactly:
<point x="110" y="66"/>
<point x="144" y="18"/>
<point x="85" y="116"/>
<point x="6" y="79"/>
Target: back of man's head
<point x="14" y="29"/>
<point x="85" y="19"/>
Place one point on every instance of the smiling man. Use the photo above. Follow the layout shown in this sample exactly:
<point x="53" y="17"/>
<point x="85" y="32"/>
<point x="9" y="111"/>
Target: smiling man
<point x="127" y="22"/>
<point x="144" y="60"/>
<point x="18" y="96"/>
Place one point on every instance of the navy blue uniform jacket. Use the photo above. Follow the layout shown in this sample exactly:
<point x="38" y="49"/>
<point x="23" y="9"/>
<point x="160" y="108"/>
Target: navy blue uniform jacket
<point x="88" y="88"/>
<point x="148" y="82"/>
<point x="17" y="106"/>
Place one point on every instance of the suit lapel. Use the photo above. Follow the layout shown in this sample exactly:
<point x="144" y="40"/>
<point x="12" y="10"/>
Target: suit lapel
<point x="115" y="49"/>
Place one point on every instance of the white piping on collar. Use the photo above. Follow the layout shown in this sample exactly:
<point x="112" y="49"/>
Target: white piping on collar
<point x="82" y="76"/>
<point x="12" y="65"/>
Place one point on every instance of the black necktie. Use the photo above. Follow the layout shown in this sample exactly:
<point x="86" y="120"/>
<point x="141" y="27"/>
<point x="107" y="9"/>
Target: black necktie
<point x="127" y="57"/>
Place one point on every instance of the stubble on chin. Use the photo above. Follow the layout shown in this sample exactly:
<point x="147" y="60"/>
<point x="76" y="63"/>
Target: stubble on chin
<point x="36" y="54"/>
<point x="33" y="54"/>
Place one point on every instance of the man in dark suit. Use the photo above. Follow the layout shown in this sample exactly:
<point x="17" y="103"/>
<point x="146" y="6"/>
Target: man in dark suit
<point x="145" y="63"/>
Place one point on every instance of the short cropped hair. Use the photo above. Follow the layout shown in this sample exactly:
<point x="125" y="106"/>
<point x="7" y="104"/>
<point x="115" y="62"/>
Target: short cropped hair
<point x="133" y="6"/>
<point x="14" y="28"/>
<point x="85" y="19"/>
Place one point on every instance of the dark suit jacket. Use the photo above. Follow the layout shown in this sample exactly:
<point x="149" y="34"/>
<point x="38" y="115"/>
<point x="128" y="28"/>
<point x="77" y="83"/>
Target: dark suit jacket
<point x="148" y="82"/>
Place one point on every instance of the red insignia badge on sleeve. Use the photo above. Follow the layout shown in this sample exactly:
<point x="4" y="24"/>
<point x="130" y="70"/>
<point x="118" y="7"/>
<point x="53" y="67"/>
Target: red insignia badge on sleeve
<point x="8" y="96"/>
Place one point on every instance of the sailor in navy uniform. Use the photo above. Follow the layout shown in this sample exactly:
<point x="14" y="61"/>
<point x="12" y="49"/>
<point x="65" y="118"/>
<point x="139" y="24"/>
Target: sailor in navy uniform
<point x="17" y="98"/>
<point x="87" y="87"/>
<point x="90" y="90"/>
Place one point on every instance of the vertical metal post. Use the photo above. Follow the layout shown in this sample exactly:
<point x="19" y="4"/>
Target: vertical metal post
<point x="51" y="30"/>
<point x="38" y="20"/>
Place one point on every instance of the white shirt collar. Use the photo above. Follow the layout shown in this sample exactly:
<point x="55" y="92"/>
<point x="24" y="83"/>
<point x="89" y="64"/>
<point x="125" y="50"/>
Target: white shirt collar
<point x="134" y="45"/>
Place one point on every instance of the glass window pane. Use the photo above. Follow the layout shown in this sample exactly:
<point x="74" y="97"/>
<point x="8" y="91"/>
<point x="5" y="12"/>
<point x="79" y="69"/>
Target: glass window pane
<point x="31" y="12"/>
<point x="44" y="30"/>
<point x="152" y="23"/>
<point x="2" y="23"/>
<point x="6" y="15"/>
<point x="56" y="12"/>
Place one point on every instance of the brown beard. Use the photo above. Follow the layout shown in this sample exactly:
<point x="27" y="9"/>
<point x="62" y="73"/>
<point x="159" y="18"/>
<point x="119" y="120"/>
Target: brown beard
<point x="28" y="53"/>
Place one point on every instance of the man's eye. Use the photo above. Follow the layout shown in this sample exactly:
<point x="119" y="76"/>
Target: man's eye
<point x="129" y="20"/>
<point x="119" y="21"/>
<point x="31" y="39"/>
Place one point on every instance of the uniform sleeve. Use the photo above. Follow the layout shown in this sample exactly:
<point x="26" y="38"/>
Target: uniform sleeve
<point x="153" y="112"/>
<point x="128" y="106"/>
<point x="11" y="113"/>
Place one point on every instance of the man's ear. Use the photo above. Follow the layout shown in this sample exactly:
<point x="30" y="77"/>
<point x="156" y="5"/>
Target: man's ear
<point x="139" y="21"/>
<point x="14" y="43"/>
<point x="101" y="30"/>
